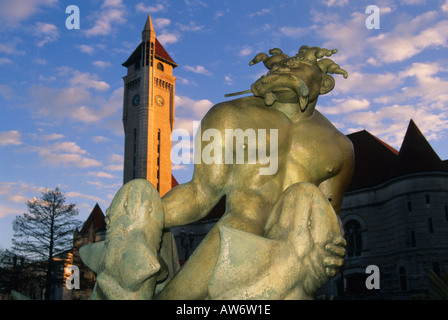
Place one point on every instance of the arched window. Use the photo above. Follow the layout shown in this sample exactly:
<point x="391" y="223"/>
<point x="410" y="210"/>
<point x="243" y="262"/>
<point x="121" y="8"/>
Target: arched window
<point x="160" y="66"/>
<point x="353" y="236"/>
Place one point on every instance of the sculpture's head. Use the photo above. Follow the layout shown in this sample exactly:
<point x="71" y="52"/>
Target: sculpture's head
<point x="298" y="79"/>
<point x="126" y="263"/>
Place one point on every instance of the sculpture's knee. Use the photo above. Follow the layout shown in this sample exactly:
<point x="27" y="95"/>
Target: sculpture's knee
<point x="302" y="191"/>
<point x="294" y="208"/>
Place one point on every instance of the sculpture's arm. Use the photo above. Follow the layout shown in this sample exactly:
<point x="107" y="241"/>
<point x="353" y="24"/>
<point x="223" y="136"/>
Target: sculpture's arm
<point x="335" y="187"/>
<point x="193" y="200"/>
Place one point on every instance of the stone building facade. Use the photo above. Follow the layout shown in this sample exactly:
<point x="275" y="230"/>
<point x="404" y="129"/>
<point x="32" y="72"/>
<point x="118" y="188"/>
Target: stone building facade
<point x="395" y="217"/>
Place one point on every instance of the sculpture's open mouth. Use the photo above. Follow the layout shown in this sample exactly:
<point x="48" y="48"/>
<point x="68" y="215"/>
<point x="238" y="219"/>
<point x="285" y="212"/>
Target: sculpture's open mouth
<point x="283" y="87"/>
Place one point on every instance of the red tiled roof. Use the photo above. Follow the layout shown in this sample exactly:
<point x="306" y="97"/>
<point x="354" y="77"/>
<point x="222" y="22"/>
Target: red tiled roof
<point x="173" y="182"/>
<point x="160" y="53"/>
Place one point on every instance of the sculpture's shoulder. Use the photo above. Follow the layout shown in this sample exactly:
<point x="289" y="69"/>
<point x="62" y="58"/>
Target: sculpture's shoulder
<point x="341" y="139"/>
<point x="240" y="113"/>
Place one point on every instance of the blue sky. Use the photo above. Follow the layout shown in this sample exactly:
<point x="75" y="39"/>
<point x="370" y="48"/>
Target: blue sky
<point x="61" y="90"/>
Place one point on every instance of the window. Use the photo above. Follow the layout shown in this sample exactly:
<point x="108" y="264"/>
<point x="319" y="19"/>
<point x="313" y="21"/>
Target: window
<point x="436" y="268"/>
<point x="427" y="200"/>
<point x="446" y="213"/>
<point x="160" y="66"/>
<point x="403" y="279"/>
<point x="430" y="225"/>
<point x="158" y="160"/>
<point x="409" y="206"/>
<point x="353" y="237"/>
<point x="412" y="236"/>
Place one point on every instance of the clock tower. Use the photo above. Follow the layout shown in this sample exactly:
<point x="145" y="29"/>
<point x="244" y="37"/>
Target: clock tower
<point x="148" y="112"/>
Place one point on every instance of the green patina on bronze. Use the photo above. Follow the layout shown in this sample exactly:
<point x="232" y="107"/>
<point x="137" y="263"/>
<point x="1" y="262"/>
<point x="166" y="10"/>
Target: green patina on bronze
<point x="280" y="236"/>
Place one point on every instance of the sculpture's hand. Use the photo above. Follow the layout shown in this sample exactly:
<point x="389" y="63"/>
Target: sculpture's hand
<point x="334" y="261"/>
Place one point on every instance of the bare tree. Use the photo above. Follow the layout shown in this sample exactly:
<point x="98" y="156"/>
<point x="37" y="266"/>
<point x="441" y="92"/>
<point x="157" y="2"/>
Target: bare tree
<point x="45" y="231"/>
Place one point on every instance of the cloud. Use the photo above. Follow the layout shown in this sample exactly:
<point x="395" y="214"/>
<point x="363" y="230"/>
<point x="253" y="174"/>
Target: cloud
<point x="88" y="80"/>
<point x="13" y="137"/>
<point x="14" y="193"/>
<point x="190" y="107"/>
<point x="101" y="64"/>
<point x="445" y="6"/>
<point x="404" y="43"/>
<point x="161" y="22"/>
<point x="86" y="49"/>
<point x="425" y="87"/>
<point x="116" y="162"/>
<point x="5" y="61"/>
<point x="51" y="137"/>
<point x="348" y="105"/>
<point x="140" y="7"/>
<point x="260" y="13"/>
<point x="100" y="139"/>
<point x="6" y="91"/>
<point x="390" y="123"/>
<point x="101" y="174"/>
<point x="112" y="13"/>
<point x="246" y="50"/>
<point x="12" y="13"/>
<point x="75" y="194"/>
<point x="40" y="61"/>
<point x="85" y="98"/>
<point x="65" y="154"/>
<point x="335" y="3"/>
<point x="191" y="27"/>
<point x="49" y="32"/>
<point x="199" y="70"/>
<point x="107" y="109"/>
<point x="10" y="47"/>
<point x="294" y="32"/>
<point x="166" y="37"/>
<point x="228" y="79"/>
<point x="359" y="82"/>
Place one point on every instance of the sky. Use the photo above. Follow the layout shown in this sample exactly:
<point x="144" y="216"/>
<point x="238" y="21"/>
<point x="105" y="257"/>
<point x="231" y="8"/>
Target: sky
<point x="61" y="89"/>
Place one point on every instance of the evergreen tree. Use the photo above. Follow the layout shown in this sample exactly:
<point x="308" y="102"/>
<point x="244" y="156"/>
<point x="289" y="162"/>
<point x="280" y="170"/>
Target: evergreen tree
<point x="45" y="231"/>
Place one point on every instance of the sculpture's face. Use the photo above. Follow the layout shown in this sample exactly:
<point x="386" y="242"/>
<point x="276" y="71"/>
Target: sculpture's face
<point x="291" y="81"/>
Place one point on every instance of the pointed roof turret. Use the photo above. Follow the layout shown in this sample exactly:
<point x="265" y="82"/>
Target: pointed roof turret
<point x="96" y="219"/>
<point x="416" y="154"/>
<point x="160" y="52"/>
<point x="148" y="29"/>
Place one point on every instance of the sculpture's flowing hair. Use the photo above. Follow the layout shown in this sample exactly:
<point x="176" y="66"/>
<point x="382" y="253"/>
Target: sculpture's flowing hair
<point x="306" y="54"/>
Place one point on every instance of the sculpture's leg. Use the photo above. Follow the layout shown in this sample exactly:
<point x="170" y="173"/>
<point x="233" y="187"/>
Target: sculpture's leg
<point x="191" y="282"/>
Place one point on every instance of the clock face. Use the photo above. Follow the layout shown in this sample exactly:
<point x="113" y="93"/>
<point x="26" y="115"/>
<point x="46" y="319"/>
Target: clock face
<point x="159" y="100"/>
<point x="136" y="100"/>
